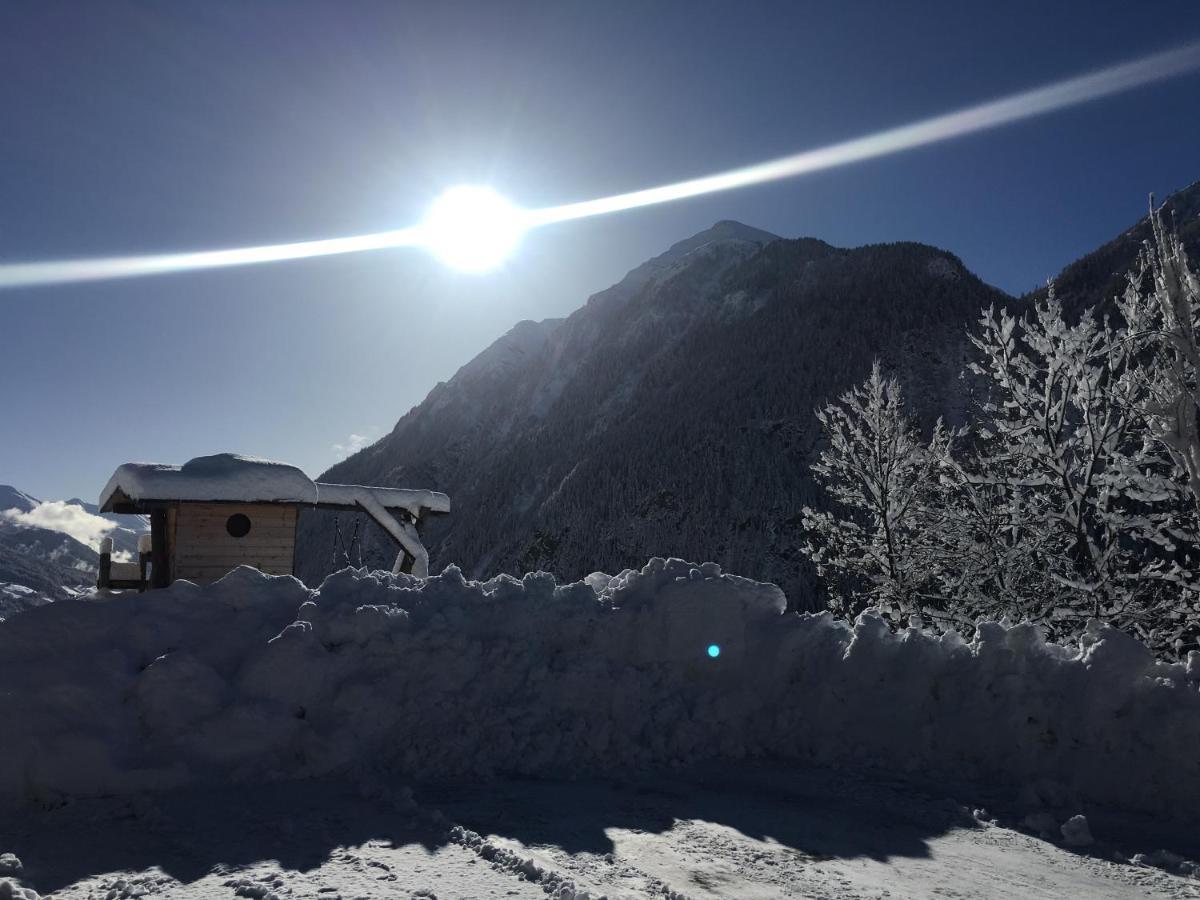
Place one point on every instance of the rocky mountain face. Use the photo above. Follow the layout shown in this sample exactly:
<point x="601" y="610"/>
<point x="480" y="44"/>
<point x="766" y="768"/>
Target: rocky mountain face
<point x="672" y="414"/>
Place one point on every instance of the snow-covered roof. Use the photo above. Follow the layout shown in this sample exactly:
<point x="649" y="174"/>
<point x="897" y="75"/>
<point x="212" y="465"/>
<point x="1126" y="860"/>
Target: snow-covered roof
<point x="225" y="476"/>
<point x="229" y="477"/>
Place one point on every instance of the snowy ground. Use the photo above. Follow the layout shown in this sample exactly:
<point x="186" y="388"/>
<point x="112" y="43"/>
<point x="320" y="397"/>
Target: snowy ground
<point x="717" y="831"/>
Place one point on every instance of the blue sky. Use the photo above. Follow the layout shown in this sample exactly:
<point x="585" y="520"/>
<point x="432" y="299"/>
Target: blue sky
<point x="138" y="128"/>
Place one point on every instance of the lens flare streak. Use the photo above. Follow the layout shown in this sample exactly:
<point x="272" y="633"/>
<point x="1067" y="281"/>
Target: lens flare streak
<point x="102" y="268"/>
<point x="1013" y="108"/>
<point x="1004" y="111"/>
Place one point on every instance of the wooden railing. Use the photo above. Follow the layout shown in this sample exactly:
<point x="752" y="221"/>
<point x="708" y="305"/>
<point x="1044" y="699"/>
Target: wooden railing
<point x="124" y="575"/>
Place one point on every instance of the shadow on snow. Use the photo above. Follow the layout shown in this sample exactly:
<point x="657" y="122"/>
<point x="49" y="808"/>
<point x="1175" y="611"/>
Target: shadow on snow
<point x="189" y="834"/>
<point x="817" y="814"/>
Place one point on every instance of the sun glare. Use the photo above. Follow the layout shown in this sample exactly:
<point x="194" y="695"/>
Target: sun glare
<point x="472" y="228"/>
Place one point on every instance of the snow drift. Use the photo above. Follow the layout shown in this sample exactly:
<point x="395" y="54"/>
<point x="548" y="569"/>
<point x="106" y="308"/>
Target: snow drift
<point x="258" y="677"/>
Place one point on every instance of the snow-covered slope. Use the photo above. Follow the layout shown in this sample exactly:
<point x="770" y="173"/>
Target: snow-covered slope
<point x="256" y="677"/>
<point x="672" y="412"/>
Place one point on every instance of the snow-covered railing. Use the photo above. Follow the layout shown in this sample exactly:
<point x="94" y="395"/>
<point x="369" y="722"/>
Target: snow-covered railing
<point x="121" y="574"/>
<point x="416" y="502"/>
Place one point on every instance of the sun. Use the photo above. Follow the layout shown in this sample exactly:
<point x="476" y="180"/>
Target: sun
<point x="472" y="228"/>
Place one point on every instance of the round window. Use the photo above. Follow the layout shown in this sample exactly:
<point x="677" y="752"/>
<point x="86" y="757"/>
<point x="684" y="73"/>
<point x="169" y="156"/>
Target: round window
<point x="238" y="525"/>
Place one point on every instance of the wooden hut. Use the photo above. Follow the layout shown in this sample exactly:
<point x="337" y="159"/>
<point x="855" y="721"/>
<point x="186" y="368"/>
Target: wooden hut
<point x="215" y="513"/>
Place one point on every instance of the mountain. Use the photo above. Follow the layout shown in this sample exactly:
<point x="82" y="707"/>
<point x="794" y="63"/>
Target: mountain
<point x="41" y="559"/>
<point x="673" y="413"/>
<point x="11" y="498"/>
<point x="1100" y="276"/>
<point x="38" y="566"/>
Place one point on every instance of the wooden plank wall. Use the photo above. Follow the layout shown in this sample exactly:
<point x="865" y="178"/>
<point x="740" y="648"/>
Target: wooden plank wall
<point x="203" y="549"/>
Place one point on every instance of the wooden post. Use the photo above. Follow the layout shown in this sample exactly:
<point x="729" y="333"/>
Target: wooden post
<point x="407" y="565"/>
<point x="105" y="577"/>
<point x="145" y="549"/>
<point x="409" y="559"/>
<point x="159" y="560"/>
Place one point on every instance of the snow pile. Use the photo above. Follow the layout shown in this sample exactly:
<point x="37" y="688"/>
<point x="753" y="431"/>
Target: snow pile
<point x="258" y="677"/>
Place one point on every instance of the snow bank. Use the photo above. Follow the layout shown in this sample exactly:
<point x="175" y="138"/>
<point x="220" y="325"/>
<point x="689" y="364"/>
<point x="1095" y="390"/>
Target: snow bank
<point x="258" y="677"/>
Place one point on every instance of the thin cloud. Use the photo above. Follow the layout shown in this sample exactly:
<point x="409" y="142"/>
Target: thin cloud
<point x="353" y="444"/>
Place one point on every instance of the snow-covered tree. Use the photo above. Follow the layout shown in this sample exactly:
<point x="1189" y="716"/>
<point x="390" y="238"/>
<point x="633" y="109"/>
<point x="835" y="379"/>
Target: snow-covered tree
<point x="1055" y="506"/>
<point x="1059" y="505"/>
<point x="1161" y="309"/>
<point x="1164" y="324"/>
<point x="872" y="547"/>
<point x="1053" y="440"/>
<point x="979" y="550"/>
<point x="1074" y="492"/>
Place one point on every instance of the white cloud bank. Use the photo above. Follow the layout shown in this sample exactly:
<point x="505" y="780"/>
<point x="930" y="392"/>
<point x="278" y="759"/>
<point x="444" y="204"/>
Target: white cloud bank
<point x="57" y="515"/>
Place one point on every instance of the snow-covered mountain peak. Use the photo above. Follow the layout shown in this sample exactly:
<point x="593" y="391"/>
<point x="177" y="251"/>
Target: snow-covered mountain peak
<point x="730" y="229"/>
<point x="11" y="498"/>
<point x="726" y="233"/>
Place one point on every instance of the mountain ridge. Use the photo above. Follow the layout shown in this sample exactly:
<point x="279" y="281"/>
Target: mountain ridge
<point x="1100" y="276"/>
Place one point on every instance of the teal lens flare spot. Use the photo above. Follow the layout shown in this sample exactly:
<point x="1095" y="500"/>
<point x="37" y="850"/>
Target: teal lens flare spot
<point x="714" y="650"/>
